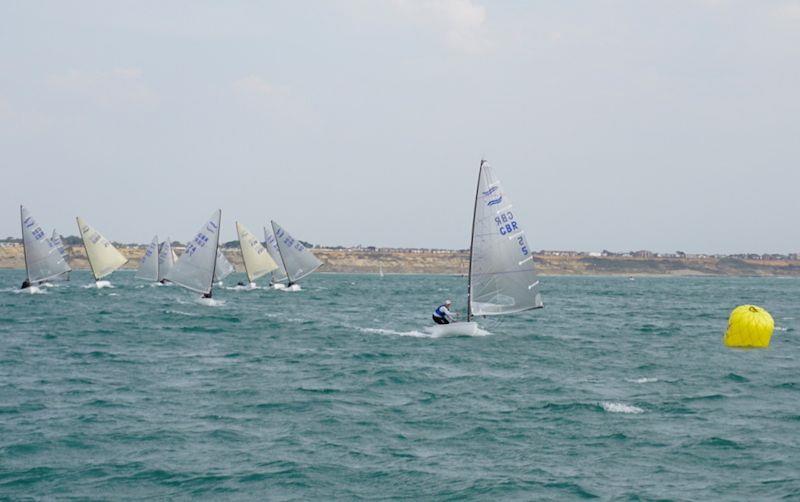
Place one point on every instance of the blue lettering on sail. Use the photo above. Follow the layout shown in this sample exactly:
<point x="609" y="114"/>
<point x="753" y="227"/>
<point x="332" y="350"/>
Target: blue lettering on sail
<point x="495" y="201"/>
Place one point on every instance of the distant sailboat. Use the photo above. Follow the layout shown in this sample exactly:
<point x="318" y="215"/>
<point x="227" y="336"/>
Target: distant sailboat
<point x="58" y="241"/>
<point x="43" y="261"/>
<point x="224" y="267"/>
<point x="297" y="260"/>
<point x="502" y="279"/>
<point x="194" y="270"/>
<point x="380" y="270"/>
<point x="103" y="257"/>
<point x="256" y="259"/>
<point x="166" y="260"/>
<point x="279" y="274"/>
<point x="148" y="265"/>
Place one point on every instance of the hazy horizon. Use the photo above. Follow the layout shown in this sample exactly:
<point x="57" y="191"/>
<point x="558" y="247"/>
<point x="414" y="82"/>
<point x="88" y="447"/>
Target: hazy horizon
<point x="613" y="125"/>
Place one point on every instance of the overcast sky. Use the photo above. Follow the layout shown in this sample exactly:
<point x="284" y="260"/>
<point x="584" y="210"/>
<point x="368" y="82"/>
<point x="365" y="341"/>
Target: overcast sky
<point x="623" y="125"/>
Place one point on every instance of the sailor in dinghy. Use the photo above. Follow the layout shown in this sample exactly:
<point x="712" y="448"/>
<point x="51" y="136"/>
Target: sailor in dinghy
<point x="502" y="278"/>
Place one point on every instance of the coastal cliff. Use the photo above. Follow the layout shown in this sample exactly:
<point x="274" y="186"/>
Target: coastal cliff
<point x="415" y="261"/>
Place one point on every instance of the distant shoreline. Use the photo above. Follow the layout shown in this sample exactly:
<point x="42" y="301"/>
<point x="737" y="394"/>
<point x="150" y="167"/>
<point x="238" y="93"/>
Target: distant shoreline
<point x="453" y="262"/>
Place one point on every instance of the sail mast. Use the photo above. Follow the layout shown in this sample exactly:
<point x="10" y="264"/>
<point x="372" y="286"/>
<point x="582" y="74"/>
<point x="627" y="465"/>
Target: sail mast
<point x="85" y="250"/>
<point x="277" y="244"/>
<point x="24" y="251"/>
<point x="472" y="242"/>
<point x="241" y="250"/>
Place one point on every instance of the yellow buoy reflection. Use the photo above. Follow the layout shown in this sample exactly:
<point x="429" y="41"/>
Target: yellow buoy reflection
<point x="749" y="326"/>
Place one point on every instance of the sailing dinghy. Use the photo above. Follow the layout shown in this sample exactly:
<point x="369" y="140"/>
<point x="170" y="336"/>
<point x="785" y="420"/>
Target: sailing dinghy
<point x="194" y="270"/>
<point x="103" y="257"/>
<point x="256" y="259"/>
<point x="279" y="274"/>
<point x="43" y="261"/>
<point x="58" y="241"/>
<point x="297" y="260"/>
<point x="166" y="260"/>
<point x="148" y="265"/>
<point x="502" y="278"/>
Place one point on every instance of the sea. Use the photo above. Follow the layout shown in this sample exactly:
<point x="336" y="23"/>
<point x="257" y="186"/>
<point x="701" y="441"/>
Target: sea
<point x="620" y="388"/>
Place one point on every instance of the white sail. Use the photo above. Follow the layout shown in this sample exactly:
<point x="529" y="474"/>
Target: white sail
<point x="297" y="260"/>
<point x="257" y="261"/>
<point x="43" y="261"/>
<point x="271" y="245"/>
<point x="502" y="276"/>
<point x="56" y="239"/>
<point x="59" y="243"/>
<point x="194" y="270"/>
<point x="224" y="267"/>
<point x="166" y="259"/>
<point x="148" y="265"/>
<point x="102" y="255"/>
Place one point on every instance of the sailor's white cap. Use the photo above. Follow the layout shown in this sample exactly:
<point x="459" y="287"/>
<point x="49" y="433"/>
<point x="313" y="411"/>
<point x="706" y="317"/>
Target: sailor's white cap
<point x="448" y="302"/>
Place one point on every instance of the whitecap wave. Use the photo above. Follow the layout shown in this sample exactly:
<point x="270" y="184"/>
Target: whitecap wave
<point x="32" y="290"/>
<point x="643" y="380"/>
<point x="615" y="407"/>
<point x="210" y="302"/>
<point x="426" y="332"/>
<point x="98" y="285"/>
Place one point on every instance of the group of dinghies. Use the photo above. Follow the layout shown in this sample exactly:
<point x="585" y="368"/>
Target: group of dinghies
<point x="201" y="265"/>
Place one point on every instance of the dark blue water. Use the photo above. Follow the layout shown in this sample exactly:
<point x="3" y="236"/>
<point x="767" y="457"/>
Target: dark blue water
<point x="617" y="389"/>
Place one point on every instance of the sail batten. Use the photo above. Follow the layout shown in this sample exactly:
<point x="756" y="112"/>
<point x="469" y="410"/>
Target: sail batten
<point x="148" y="265"/>
<point x="103" y="257"/>
<point x="297" y="260"/>
<point x="257" y="261"/>
<point x="43" y="260"/>
<point x="194" y="270"/>
<point x="502" y="277"/>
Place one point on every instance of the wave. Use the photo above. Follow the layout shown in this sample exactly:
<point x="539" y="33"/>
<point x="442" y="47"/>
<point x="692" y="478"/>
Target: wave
<point x="643" y="380"/>
<point x="418" y="334"/>
<point x="616" y="407"/>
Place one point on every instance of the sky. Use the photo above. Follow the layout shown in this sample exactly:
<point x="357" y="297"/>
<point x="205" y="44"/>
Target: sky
<point x="620" y="125"/>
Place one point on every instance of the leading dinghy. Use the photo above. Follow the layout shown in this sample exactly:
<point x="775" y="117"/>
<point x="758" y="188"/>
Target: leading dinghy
<point x="502" y="277"/>
<point x="194" y="270"/>
<point x="43" y="261"/>
<point x="256" y="259"/>
<point x="279" y="274"/>
<point x="103" y="257"/>
<point x="297" y="260"/>
<point x="148" y="265"/>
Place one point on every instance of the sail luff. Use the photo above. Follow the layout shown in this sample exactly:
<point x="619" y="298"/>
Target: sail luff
<point x="24" y="246"/>
<point x="472" y="243"/>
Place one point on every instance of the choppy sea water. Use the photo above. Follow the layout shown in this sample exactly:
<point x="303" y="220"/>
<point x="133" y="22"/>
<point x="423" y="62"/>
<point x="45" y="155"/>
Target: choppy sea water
<point x="617" y="389"/>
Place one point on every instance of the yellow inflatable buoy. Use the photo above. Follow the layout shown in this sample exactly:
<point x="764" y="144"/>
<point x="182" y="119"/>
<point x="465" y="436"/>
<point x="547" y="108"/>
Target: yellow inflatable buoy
<point x="749" y="326"/>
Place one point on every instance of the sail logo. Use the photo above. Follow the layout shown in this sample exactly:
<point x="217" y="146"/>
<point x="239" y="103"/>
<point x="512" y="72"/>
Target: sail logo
<point x="496" y="201"/>
<point x="491" y="191"/>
